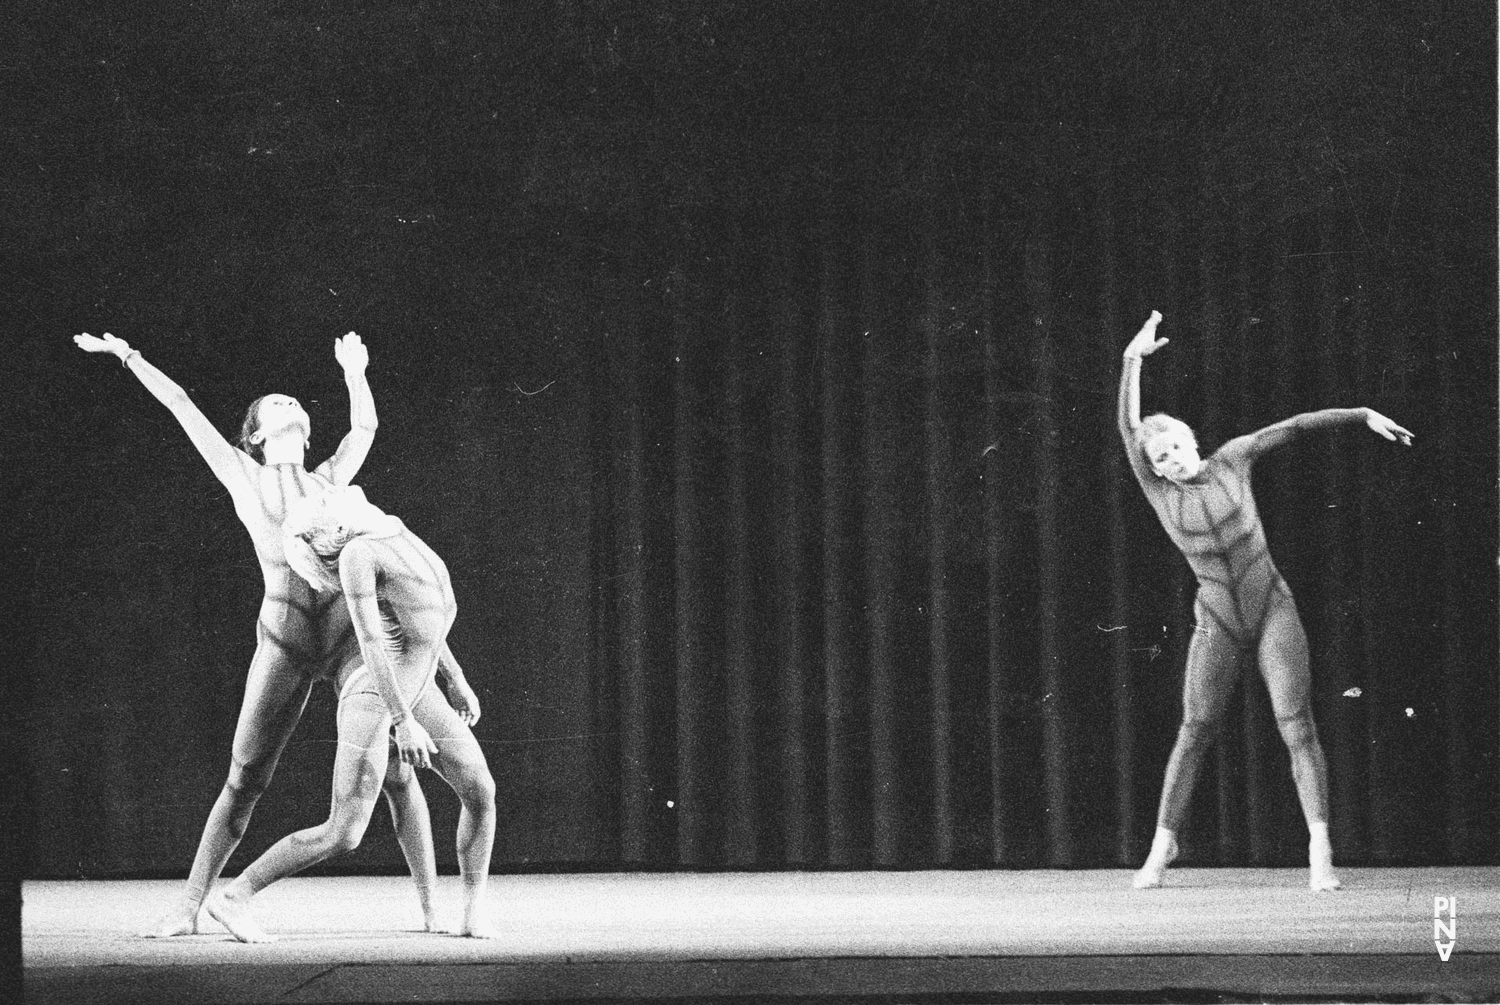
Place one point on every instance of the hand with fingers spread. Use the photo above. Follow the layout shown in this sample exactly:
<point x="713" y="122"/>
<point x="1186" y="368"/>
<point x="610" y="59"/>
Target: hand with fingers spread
<point x="1387" y="428"/>
<point x="108" y="343"/>
<point x="414" y="743"/>
<point x="1145" y="341"/>
<point x="351" y="353"/>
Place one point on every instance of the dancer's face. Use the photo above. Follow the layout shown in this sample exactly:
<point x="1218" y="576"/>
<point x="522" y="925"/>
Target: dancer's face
<point x="1173" y="455"/>
<point x="279" y="413"/>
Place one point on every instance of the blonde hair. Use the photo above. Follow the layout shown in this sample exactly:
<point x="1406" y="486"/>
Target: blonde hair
<point x="318" y="526"/>
<point x="1153" y="425"/>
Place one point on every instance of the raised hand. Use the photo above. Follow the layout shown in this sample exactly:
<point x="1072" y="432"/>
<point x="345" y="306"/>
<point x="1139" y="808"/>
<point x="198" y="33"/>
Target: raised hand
<point x="110" y="344"/>
<point x="414" y="743"/>
<point x="1385" y="427"/>
<point x="1145" y="341"/>
<point x="464" y="701"/>
<point x="351" y="353"/>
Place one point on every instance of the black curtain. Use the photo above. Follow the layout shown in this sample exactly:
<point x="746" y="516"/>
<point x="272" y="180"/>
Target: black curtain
<point x="762" y="406"/>
<point x="905" y="605"/>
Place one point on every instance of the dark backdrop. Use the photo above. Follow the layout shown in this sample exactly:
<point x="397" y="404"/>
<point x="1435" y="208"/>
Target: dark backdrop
<point x="752" y="365"/>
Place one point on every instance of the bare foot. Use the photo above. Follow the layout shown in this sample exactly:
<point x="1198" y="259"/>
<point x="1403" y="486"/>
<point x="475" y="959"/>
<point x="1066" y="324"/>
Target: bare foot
<point x="1163" y="852"/>
<point x="1321" y="877"/>
<point x="479" y="928"/>
<point x="181" y="920"/>
<point x="1322" y="881"/>
<point x="235" y="916"/>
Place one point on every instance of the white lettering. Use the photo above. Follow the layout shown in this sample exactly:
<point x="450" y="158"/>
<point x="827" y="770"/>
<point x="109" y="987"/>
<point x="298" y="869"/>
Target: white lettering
<point x="1444" y="929"/>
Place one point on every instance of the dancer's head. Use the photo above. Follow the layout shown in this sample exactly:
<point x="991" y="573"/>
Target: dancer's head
<point x="1169" y="446"/>
<point x="318" y="526"/>
<point x="273" y="416"/>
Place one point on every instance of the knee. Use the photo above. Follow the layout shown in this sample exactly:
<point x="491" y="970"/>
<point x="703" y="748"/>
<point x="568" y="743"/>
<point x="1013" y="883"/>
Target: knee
<point x="345" y="833"/>
<point x="248" y="782"/>
<point x="478" y="790"/>
<point x="1298" y="731"/>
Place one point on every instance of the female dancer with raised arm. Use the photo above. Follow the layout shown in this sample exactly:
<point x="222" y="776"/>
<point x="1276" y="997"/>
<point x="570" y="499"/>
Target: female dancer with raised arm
<point x="1243" y="605"/>
<point x="300" y="637"/>
<point x="401" y="602"/>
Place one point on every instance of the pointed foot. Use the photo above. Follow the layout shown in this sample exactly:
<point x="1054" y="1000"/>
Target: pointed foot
<point x="235" y="916"/>
<point x="1147" y="878"/>
<point x="1163" y="854"/>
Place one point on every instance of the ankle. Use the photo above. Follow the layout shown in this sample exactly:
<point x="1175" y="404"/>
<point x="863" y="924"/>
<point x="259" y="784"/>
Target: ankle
<point x="236" y="892"/>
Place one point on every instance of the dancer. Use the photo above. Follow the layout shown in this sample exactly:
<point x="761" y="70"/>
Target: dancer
<point x="401" y="601"/>
<point x="300" y="637"/>
<point x="1243" y="605"/>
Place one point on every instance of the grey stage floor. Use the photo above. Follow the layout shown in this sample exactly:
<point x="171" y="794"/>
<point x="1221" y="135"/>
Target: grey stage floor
<point x="978" y="935"/>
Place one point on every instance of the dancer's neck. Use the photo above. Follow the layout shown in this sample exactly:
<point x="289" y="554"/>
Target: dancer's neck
<point x="285" y="449"/>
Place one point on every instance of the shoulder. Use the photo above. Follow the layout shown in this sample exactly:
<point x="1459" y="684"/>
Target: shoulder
<point x="1231" y="458"/>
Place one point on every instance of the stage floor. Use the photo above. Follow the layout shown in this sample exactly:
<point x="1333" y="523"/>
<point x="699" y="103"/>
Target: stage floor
<point x="978" y="935"/>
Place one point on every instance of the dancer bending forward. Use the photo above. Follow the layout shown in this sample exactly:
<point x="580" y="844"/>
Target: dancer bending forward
<point x="401" y="603"/>
<point x="1243" y="605"/>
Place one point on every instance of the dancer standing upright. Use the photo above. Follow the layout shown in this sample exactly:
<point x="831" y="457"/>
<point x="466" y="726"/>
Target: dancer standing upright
<point x="1243" y="607"/>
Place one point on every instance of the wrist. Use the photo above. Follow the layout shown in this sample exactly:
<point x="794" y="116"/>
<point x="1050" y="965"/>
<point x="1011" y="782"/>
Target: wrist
<point x="125" y="356"/>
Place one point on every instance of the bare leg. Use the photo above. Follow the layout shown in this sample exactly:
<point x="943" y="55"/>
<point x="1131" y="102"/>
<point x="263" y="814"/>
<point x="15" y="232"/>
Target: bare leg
<point x="276" y="691"/>
<point x="358" y="771"/>
<point x="1213" y="662"/>
<point x="460" y="762"/>
<point x="413" y="823"/>
<point x="1284" y="665"/>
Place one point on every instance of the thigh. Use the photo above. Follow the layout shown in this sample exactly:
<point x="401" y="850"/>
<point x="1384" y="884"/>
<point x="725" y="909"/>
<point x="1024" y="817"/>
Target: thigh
<point x="459" y="755"/>
<point x="1213" y="665"/>
<point x="1284" y="658"/>
<point x="360" y="765"/>
<point x="276" y="690"/>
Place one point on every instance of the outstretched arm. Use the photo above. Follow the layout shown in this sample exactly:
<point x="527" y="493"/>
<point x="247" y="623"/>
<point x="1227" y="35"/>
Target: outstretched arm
<point x="352" y="355"/>
<point x="460" y="695"/>
<point x="1129" y="413"/>
<point x="1252" y="445"/>
<point x="228" y="464"/>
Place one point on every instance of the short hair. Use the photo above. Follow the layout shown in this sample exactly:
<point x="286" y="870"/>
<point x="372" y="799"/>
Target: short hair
<point x="249" y="427"/>
<point x="1153" y="425"/>
<point x="312" y="540"/>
